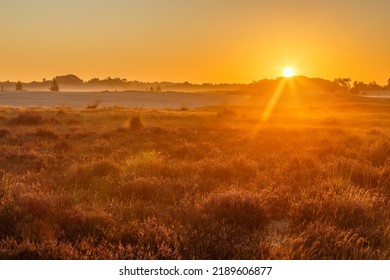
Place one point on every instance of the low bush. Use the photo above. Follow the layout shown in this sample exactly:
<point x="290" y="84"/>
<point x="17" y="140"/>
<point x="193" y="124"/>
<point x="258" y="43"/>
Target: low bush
<point x="29" y="118"/>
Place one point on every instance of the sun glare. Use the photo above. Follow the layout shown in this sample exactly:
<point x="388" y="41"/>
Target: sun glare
<point x="288" y="72"/>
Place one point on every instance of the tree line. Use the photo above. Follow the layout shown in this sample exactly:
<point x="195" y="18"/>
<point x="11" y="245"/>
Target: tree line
<point x="358" y="86"/>
<point x="54" y="86"/>
<point x="73" y="82"/>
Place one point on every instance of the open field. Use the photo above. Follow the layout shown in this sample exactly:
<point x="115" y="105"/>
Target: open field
<point x="311" y="183"/>
<point x="134" y="99"/>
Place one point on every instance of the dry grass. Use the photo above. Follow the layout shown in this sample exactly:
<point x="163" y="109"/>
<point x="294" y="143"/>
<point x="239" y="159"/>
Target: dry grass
<point x="312" y="183"/>
<point x="94" y="105"/>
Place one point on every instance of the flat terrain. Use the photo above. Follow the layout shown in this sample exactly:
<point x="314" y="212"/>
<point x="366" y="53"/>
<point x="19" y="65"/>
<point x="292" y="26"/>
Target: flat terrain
<point x="112" y="183"/>
<point x="173" y="100"/>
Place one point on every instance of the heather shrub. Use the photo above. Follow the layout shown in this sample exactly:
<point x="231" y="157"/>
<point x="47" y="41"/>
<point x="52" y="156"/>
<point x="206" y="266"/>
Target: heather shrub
<point x="226" y="113"/>
<point x="359" y="172"/>
<point x="229" y="169"/>
<point x="277" y="201"/>
<point x="321" y="241"/>
<point x="237" y="208"/>
<point x="94" y="105"/>
<point x="62" y="146"/>
<point x="4" y="132"/>
<point x="156" y="189"/>
<point x="186" y="151"/>
<point x="267" y="144"/>
<point x="103" y="168"/>
<point x="11" y="249"/>
<point x="218" y="242"/>
<point x="120" y="130"/>
<point x="135" y="123"/>
<point x="332" y="120"/>
<point x="379" y="152"/>
<point x="152" y="240"/>
<point x="73" y="122"/>
<point x="75" y="224"/>
<point x="11" y="218"/>
<point x="84" y="175"/>
<point x="374" y="132"/>
<point x="346" y="207"/>
<point x="190" y="151"/>
<point x="29" y="118"/>
<point x="45" y="133"/>
<point x="35" y="205"/>
<point x="156" y="131"/>
<point x="23" y="161"/>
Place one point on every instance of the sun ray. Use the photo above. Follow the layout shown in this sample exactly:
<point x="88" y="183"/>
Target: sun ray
<point x="273" y="101"/>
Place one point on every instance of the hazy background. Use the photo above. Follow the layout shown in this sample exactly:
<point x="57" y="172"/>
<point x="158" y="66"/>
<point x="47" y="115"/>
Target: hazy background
<point x="196" y="41"/>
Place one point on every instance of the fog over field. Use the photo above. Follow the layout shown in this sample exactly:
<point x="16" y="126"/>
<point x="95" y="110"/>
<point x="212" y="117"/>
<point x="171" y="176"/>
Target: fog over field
<point x="172" y="100"/>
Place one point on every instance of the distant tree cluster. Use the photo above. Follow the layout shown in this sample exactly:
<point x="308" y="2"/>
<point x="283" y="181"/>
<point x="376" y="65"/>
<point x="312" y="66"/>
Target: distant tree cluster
<point x="72" y="82"/>
<point x="155" y="89"/>
<point x="54" y="86"/>
<point x="69" y="80"/>
<point x="361" y="86"/>
<point x="19" y="86"/>
<point x="343" y="82"/>
<point x="264" y="86"/>
<point x="358" y="86"/>
<point x="300" y="83"/>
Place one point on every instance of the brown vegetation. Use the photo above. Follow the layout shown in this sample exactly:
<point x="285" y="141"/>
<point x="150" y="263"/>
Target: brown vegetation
<point x="312" y="183"/>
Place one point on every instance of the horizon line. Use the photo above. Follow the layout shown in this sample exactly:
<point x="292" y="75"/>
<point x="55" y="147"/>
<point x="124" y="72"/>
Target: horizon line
<point x="182" y="82"/>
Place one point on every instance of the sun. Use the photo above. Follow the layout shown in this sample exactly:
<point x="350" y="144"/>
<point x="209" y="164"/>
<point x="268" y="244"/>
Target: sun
<point x="288" y="72"/>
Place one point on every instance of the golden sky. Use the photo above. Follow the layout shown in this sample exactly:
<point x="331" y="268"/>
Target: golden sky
<point x="194" y="40"/>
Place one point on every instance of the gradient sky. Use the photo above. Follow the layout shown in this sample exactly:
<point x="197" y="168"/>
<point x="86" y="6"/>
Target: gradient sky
<point x="194" y="40"/>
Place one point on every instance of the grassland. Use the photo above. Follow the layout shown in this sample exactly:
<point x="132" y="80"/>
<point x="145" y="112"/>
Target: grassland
<point x="311" y="183"/>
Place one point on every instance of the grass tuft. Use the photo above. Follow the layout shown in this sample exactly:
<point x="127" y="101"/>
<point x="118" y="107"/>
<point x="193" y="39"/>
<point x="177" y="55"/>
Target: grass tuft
<point x="135" y="123"/>
<point x="29" y="118"/>
<point x="4" y="132"/>
<point x="236" y="208"/>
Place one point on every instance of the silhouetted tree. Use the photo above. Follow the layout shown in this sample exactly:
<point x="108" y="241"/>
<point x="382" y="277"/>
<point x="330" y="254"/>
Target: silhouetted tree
<point x="69" y="79"/>
<point x="158" y="88"/>
<point x="373" y="84"/>
<point x="54" y="86"/>
<point x="362" y="87"/>
<point x="357" y="86"/>
<point x="388" y="84"/>
<point x="343" y="82"/>
<point x="19" y="86"/>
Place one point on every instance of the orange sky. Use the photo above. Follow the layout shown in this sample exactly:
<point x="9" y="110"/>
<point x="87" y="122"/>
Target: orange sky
<point x="197" y="41"/>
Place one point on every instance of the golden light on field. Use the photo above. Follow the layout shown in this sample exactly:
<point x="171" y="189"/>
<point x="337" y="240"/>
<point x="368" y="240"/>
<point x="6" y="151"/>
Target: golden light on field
<point x="288" y="72"/>
<point x="273" y="101"/>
